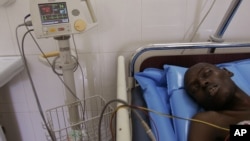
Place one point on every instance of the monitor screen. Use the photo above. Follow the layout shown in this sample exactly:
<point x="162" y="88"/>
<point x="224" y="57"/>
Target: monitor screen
<point x="53" y="13"/>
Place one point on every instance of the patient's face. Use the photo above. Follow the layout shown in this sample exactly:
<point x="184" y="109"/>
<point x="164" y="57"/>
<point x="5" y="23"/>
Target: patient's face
<point x="210" y="86"/>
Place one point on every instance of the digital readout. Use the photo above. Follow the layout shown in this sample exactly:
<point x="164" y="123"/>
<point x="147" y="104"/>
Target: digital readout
<point x="53" y="13"/>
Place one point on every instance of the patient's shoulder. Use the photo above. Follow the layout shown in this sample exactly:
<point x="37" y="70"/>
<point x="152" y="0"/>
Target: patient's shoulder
<point x="213" y="117"/>
<point x="207" y="115"/>
<point x="203" y="123"/>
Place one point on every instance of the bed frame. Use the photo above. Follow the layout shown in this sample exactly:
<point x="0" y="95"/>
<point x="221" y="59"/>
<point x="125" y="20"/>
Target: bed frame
<point x="125" y="88"/>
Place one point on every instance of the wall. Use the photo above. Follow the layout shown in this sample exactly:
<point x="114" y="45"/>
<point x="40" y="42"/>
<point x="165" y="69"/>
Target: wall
<point x="124" y="25"/>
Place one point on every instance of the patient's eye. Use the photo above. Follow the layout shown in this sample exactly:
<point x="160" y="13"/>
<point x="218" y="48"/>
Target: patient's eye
<point x="207" y="72"/>
<point x="194" y="87"/>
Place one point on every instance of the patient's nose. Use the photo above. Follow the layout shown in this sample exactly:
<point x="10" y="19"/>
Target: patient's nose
<point x="204" y="82"/>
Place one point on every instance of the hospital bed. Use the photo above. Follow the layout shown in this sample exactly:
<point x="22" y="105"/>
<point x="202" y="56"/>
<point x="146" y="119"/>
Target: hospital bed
<point x="154" y="80"/>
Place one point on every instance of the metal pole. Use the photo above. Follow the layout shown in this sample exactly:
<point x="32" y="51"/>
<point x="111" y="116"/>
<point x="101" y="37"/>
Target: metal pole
<point x="67" y="65"/>
<point x="217" y="37"/>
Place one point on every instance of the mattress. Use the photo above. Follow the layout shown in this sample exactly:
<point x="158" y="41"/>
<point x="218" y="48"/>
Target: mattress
<point x="10" y="66"/>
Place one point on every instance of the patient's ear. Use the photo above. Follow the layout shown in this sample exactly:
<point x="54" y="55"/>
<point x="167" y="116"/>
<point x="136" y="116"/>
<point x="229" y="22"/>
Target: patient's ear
<point x="228" y="72"/>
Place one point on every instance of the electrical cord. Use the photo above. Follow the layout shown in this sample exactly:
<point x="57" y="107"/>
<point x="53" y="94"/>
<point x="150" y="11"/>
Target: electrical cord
<point x="74" y="42"/>
<point x="200" y="23"/>
<point x="192" y="24"/>
<point x="33" y="87"/>
<point x="144" y="124"/>
<point x="182" y="118"/>
<point x="49" y="61"/>
<point x="51" y="64"/>
<point x="203" y="19"/>
<point x="65" y="85"/>
<point x="146" y="127"/>
<point x="29" y="23"/>
<point x="81" y="70"/>
<point x="52" y="136"/>
<point x="21" y="50"/>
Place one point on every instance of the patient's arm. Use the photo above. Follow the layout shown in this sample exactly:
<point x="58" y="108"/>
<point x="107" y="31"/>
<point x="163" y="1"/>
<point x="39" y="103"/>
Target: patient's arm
<point x="198" y="132"/>
<point x="203" y="132"/>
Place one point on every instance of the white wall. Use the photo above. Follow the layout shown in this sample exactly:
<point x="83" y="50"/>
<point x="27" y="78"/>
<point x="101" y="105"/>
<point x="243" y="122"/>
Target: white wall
<point x="124" y="25"/>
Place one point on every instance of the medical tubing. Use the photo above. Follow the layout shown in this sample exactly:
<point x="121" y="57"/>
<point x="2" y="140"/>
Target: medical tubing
<point x="34" y="89"/>
<point x="146" y="127"/>
<point x="182" y="118"/>
<point x="102" y="113"/>
<point x="136" y="113"/>
<point x="192" y="24"/>
<point x="148" y="130"/>
<point x="82" y="107"/>
<point x="27" y="16"/>
<point x="51" y="64"/>
<point x="31" y="81"/>
<point x="201" y="22"/>
<point x="77" y="57"/>
<point x="144" y="124"/>
<point x="171" y="116"/>
<point x="29" y="23"/>
<point x="48" y="60"/>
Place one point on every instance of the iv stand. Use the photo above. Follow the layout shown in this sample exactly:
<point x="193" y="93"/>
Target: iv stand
<point x="67" y="65"/>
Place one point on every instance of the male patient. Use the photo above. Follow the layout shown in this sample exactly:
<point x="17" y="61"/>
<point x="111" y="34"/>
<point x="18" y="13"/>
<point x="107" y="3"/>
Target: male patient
<point x="224" y="102"/>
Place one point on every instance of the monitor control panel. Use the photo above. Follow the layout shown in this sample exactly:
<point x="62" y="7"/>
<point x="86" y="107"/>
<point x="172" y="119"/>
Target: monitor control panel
<point x="52" y="18"/>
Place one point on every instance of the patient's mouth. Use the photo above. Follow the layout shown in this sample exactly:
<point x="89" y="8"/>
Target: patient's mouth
<point x="212" y="89"/>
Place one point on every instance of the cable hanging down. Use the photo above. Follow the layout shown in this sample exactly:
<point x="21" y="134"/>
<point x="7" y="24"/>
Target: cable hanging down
<point x="27" y="24"/>
<point x="144" y="124"/>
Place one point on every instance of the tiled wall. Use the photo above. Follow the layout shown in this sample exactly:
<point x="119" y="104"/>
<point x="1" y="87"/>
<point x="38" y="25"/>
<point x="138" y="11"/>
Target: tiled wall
<point x="123" y="26"/>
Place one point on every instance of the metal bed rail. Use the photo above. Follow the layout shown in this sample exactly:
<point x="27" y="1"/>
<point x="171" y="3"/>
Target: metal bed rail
<point x="174" y="46"/>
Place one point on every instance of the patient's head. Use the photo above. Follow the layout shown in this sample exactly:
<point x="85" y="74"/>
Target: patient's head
<point x="209" y="86"/>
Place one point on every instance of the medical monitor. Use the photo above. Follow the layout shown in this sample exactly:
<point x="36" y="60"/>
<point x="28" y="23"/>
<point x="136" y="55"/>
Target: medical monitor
<point x="53" y="13"/>
<point x="51" y="18"/>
